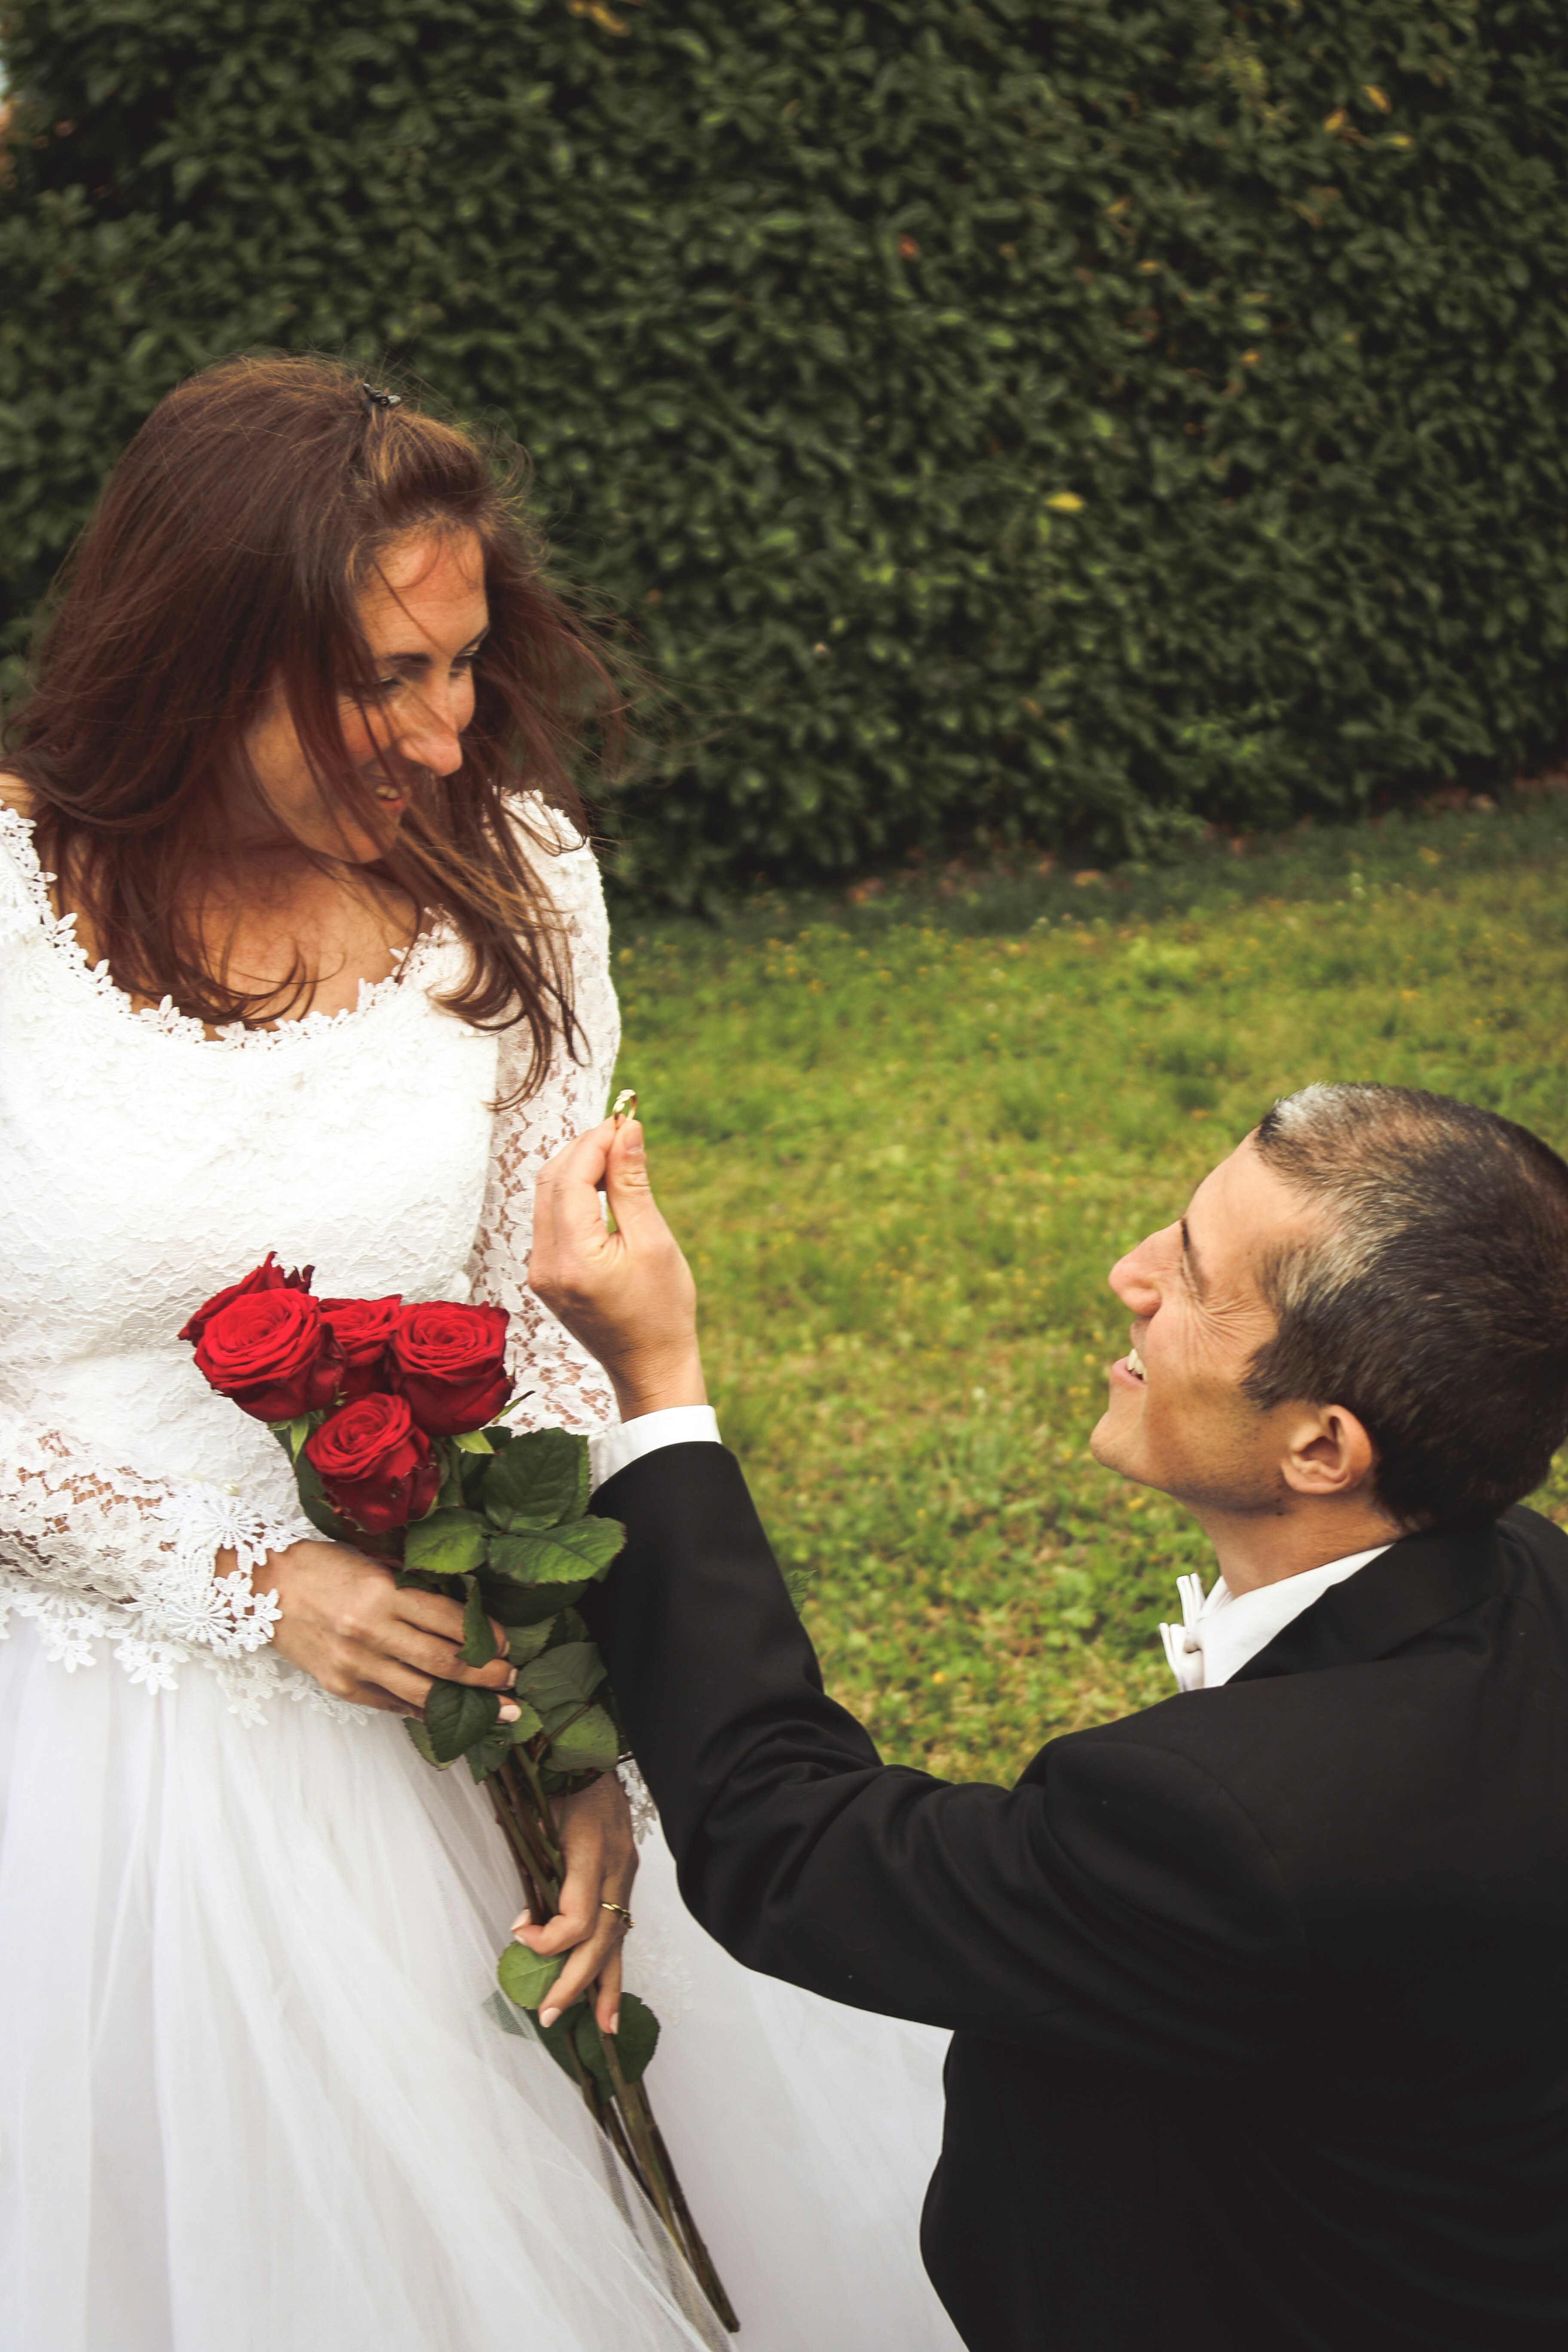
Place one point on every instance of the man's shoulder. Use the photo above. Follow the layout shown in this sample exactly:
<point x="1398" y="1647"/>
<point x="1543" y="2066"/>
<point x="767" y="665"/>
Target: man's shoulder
<point x="1544" y="1542"/>
<point x="1334" y="1711"/>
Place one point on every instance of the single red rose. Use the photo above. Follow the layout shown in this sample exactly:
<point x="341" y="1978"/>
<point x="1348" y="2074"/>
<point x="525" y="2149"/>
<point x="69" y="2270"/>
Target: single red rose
<point x="363" y="1329"/>
<point x="375" y="1468"/>
<point x="271" y="1353"/>
<point x="265" y="1276"/>
<point x="450" y="1363"/>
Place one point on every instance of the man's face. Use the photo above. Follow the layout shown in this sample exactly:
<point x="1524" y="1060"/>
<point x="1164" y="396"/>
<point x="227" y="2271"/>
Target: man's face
<point x="1177" y="1418"/>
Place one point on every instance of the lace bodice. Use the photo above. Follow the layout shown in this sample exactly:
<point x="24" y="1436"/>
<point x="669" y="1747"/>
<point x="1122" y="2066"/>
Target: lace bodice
<point x="144" y="1164"/>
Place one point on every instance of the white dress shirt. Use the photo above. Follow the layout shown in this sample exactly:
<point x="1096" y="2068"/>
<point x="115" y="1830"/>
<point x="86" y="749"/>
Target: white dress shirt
<point x="1219" y="1634"/>
<point x="626" y="1441"/>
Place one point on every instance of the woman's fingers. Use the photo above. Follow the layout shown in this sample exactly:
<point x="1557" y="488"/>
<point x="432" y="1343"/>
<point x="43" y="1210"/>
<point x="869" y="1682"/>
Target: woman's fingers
<point x="608" y="2008"/>
<point x="395" y="1688"/>
<point x="601" y="1865"/>
<point x="429" y="1633"/>
<point x="585" y="1963"/>
<point x="440" y="1661"/>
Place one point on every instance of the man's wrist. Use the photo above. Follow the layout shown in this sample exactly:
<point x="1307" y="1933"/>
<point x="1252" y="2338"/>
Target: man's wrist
<point x="658" y="1388"/>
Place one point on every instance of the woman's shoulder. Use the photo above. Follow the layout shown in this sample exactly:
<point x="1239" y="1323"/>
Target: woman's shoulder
<point x="559" y="851"/>
<point x="26" y="908"/>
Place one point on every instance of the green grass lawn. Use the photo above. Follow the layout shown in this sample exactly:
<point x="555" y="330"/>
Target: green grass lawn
<point x="904" y="1140"/>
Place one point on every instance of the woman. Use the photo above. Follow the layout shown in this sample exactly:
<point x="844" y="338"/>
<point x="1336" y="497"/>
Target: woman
<point x="303" y="949"/>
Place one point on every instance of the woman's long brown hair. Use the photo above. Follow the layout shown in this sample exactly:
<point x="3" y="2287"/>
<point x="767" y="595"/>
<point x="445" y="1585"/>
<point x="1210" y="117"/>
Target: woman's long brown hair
<point x="222" y="566"/>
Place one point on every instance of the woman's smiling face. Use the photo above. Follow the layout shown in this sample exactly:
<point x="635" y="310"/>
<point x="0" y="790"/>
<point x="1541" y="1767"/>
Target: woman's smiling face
<point x="424" y="617"/>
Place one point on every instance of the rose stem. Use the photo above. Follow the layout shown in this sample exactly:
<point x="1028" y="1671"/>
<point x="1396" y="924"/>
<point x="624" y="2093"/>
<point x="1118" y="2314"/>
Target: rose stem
<point x="529" y="1829"/>
<point x="519" y="1760"/>
<point x="514" y="1839"/>
<point x="702" y="2260"/>
<point x="632" y="2131"/>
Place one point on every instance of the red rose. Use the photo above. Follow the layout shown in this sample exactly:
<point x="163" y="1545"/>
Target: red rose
<point x="271" y="1353"/>
<point x="265" y="1276"/>
<point x="362" y="1328"/>
<point x="450" y="1363"/>
<point x="375" y="1468"/>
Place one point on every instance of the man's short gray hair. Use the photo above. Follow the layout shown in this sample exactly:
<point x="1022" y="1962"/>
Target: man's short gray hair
<point x="1433" y="1301"/>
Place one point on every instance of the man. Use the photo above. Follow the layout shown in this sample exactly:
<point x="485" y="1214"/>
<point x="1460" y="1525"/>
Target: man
<point x="1260" y="1997"/>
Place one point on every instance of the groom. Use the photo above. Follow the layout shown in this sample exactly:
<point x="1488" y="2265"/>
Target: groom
<point x="1260" y="1997"/>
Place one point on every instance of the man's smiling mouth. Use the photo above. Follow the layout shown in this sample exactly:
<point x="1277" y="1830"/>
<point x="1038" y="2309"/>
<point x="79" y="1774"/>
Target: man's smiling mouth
<point x="1135" y="1365"/>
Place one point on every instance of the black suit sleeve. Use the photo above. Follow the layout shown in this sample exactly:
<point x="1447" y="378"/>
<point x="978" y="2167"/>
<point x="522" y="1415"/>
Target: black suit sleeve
<point x="1116" y="1902"/>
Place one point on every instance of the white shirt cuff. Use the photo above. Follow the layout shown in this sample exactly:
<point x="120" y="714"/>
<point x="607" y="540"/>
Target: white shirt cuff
<point x="613" y="1449"/>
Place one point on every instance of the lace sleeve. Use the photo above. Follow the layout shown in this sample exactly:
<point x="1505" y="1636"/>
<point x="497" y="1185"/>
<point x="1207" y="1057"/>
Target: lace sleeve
<point x="564" y="1386"/>
<point x="91" y="1550"/>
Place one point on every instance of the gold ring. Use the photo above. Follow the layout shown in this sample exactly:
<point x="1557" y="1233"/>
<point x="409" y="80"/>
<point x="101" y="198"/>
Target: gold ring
<point x="621" y="1912"/>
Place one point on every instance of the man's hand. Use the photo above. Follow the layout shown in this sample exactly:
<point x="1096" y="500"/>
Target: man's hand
<point x="627" y="1295"/>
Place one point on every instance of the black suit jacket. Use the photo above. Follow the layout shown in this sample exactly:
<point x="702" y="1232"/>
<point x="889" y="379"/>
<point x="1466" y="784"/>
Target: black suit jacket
<point x="1260" y="1998"/>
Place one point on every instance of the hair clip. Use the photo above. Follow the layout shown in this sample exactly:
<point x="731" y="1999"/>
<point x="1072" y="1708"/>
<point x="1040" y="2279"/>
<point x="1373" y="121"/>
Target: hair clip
<point x="382" y="400"/>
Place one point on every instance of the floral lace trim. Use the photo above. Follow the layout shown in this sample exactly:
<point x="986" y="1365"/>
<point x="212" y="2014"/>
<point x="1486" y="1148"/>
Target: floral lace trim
<point x="165" y="1018"/>
<point x="71" y="1626"/>
<point x="90" y="1555"/>
<point x="639" y="1797"/>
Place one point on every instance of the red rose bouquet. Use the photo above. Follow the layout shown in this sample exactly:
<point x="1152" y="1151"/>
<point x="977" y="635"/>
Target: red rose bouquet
<point x="388" y="1413"/>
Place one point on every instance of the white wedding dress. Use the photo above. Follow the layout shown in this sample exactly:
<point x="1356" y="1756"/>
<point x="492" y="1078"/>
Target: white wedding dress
<point x="258" y="2093"/>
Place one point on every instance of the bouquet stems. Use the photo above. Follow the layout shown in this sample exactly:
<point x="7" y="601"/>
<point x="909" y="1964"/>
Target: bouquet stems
<point x="626" y="2119"/>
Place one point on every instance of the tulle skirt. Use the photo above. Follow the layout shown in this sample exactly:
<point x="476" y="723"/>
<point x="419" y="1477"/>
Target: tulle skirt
<point x="258" y="2093"/>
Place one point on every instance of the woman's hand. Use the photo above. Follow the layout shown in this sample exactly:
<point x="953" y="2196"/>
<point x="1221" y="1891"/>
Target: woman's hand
<point x="600" y="1857"/>
<point x="364" y="1637"/>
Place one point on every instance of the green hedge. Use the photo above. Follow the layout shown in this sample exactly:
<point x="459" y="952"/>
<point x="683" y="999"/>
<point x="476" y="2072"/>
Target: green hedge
<point x="997" y="422"/>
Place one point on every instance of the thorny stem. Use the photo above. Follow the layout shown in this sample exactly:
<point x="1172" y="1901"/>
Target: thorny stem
<point x="514" y="1837"/>
<point x="520" y="1759"/>
<point x="546" y="1883"/>
<point x="626" y="2119"/>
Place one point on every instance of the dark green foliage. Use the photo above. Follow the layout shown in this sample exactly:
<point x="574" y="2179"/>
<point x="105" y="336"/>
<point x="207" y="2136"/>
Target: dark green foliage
<point x="455" y="1716"/>
<point x="808" y="312"/>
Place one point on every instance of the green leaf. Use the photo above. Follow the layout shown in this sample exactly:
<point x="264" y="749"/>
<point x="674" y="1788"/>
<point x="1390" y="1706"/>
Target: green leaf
<point x="528" y="1604"/>
<point x="489" y="1755"/>
<point x="525" y="1976"/>
<point x="568" y="1676"/>
<point x="636" y="2038"/>
<point x="539" y="1478"/>
<point x="479" y="1636"/>
<point x="473" y="1441"/>
<point x="315" y="1506"/>
<point x="589" y="1743"/>
<point x="458" y="1717"/>
<point x="448" y="1543"/>
<point x="525" y="1642"/>
<point x="533" y="1604"/>
<point x="528" y="1725"/>
<point x="424" y="1744"/>
<point x="560" y="1555"/>
<point x="451" y="1495"/>
<point x="557" y="2039"/>
<point x="634" y="2043"/>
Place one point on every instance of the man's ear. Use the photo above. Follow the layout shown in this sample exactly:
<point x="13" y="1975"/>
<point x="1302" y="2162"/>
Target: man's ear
<point x="1327" y="1452"/>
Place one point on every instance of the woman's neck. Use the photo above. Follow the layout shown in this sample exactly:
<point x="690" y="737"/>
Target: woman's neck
<point x="293" y="932"/>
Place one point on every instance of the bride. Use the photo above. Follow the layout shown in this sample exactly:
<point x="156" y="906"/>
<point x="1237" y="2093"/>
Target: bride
<point x="302" y="949"/>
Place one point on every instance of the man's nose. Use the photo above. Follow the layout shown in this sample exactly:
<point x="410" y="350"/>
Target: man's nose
<point x="1133" y="1282"/>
